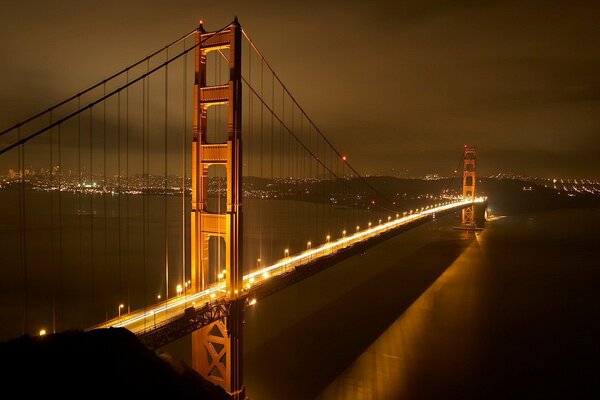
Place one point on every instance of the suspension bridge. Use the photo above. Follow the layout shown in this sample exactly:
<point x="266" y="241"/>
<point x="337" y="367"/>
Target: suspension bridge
<point x="134" y="204"/>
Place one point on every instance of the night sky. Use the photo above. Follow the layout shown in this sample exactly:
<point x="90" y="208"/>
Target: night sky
<point x="398" y="85"/>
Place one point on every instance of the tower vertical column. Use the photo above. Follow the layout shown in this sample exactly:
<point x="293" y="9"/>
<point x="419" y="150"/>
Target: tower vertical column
<point x="469" y="178"/>
<point x="217" y="348"/>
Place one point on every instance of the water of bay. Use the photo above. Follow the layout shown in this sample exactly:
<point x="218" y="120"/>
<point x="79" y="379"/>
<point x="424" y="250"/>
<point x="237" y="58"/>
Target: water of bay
<point x="432" y="313"/>
<point x="511" y="312"/>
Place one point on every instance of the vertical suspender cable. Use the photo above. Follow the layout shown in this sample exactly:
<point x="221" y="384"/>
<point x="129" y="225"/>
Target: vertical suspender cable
<point x="260" y="200"/>
<point x="301" y="203"/>
<point x="128" y="194"/>
<point x="146" y="186"/>
<point x="166" y="239"/>
<point x="272" y="155"/>
<point x="79" y="194"/>
<point x="183" y="166"/>
<point x="91" y="194"/>
<point x="60" y="232"/>
<point x="294" y="161"/>
<point x="144" y="191"/>
<point x="217" y="111"/>
<point x="104" y="194"/>
<point x="285" y="152"/>
<point x="52" y="261"/>
<point x="22" y="233"/>
<point x="119" y="193"/>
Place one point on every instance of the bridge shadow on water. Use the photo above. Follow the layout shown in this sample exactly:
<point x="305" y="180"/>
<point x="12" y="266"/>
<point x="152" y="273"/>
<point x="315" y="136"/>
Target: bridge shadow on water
<point x="300" y="339"/>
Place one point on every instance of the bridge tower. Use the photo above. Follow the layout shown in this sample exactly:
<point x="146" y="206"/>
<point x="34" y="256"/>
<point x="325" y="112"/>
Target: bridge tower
<point x="469" y="178"/>
<point x="217" y="348"/>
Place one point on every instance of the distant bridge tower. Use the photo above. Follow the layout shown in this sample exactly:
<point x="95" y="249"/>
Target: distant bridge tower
<point x="217" y="348"/>
<point x="469" y="178"/>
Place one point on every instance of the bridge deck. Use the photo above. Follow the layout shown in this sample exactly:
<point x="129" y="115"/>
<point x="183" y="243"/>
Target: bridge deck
<point x="205" y="306"/>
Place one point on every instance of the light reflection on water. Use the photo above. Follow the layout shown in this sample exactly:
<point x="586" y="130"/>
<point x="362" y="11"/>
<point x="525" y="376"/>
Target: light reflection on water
<point x="393" y="362"/>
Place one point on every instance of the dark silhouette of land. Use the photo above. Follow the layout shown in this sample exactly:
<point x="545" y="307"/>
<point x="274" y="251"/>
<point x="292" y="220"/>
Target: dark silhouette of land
<point x="108" y="363"/>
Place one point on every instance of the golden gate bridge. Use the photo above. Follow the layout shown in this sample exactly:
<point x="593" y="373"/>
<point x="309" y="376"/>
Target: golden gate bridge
<point x="139" y="204"/>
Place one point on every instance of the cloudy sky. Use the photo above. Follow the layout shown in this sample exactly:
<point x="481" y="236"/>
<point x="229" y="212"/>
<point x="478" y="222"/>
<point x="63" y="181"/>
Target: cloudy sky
<point x="400" y="84"/>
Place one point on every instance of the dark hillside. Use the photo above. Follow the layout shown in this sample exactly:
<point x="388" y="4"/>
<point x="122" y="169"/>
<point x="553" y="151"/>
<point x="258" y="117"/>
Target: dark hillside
<point x="109" y="363"/>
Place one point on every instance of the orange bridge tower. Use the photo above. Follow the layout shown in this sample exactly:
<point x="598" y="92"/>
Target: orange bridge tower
<point x="217" y="348"/>
<point x="469" y="178"/>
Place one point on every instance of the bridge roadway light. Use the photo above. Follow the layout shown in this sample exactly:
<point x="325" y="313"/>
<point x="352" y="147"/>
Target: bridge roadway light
<point x="308" y="245"/>
<point x="357" y="228"/>
<point x="286" y="252"/>
<point x="120" y="308"/>
<point x="179" y="289"/>
<point x="369" y="225"/>
<point x="327" y="239"/>
<point x="42" y="332"/>
<point x="258" y="263"/>
<point x="344" y="233"/>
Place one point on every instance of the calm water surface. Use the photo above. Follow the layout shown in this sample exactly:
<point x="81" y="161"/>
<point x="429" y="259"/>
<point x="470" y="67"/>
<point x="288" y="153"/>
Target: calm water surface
<point x="509" y="313"/>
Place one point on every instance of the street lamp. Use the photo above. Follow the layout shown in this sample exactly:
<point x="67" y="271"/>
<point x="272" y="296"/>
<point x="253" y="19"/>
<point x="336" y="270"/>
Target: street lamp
<point x="357" y="228"/>
<point x="327" y="239"/>
<point x="179" y="289"/>
<point x="286" y="252"/>
<point x="369" y="225"/>
<point x="344" y="233"/>
<point x="308" y="245"/>
<point x="120" y="308"/>
<point x="42" y="332"/>
<point x="258" y="263"/>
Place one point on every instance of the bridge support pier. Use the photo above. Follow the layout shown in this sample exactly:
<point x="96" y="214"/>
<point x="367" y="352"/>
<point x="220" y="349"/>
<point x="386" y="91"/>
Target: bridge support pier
<point x="217" y="348"/>
<point x="217" y="351"/>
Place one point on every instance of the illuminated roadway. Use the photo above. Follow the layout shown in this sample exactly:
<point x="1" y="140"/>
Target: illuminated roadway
<point x="147" y="319"/>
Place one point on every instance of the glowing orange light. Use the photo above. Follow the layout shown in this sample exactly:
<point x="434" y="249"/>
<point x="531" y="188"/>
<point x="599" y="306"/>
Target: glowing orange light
<point x="344" y="158"/>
